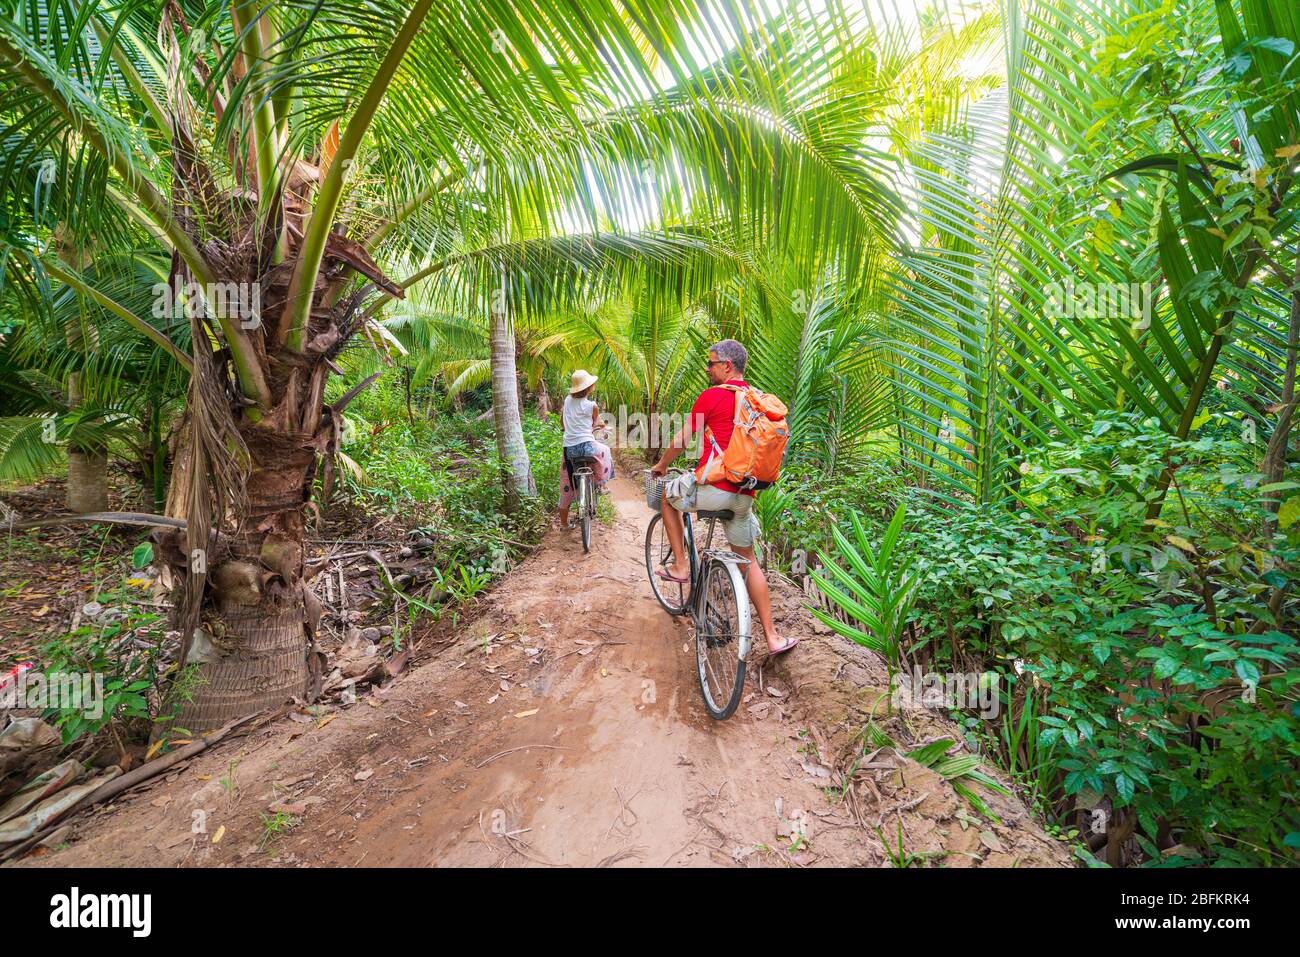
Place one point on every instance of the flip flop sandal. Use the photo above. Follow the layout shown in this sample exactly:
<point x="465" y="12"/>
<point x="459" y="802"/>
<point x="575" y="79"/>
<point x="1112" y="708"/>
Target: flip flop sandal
<point x="784" y="648"/>
<point x="663" y="573"/>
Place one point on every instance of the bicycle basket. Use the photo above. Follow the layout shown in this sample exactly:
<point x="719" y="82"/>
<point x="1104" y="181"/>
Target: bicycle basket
<point x="654" y="490"/>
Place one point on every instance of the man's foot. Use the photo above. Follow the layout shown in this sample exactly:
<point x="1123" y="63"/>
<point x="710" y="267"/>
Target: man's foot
<point x="781" y="647"/>
<point x="667" y="574"/>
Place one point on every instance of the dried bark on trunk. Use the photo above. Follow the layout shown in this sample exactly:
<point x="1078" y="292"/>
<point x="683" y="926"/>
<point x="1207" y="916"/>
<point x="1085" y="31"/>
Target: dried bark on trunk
<point x="87" y="481"/>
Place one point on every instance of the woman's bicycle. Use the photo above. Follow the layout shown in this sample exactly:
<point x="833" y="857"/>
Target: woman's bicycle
<point x="715" y="598"/>
<point x="584" y="484"/>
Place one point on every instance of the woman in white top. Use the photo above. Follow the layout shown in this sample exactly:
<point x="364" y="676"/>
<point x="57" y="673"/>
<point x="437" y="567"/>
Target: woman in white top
<point x="581" y="418"/>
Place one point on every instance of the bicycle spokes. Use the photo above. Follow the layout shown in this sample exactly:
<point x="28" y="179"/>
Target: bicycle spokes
<point x="720" y="626"/>
<point x="717" y="641"/>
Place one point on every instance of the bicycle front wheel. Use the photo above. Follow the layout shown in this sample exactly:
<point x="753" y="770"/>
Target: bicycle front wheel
<point x="659" y="554"/>
<point x="721" y="638"/>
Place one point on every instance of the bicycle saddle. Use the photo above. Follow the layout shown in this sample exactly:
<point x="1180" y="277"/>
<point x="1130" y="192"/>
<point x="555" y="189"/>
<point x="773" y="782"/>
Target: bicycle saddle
<point x="583" y="462"/>
<point x="723" y="515"/>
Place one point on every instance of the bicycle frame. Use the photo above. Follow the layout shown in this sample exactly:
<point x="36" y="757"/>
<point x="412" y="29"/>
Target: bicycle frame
<point x="699" y="562"/>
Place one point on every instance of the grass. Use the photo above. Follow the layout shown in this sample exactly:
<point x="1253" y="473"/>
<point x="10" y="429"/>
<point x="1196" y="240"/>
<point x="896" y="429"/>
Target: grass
<point x="229" y="782"/>
<point x="275" y="826"/>
<point x="902" y="858"/>
<point x="605" y="510"/>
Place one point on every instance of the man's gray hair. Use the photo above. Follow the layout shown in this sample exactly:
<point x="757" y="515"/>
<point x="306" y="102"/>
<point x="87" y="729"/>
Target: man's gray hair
<point x="732" y="351"/>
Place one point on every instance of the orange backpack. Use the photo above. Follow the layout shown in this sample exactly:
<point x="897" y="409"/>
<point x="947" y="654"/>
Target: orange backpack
<point x="752" y="459"/>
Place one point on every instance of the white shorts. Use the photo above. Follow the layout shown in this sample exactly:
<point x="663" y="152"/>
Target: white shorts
<point x="686" y="495"/>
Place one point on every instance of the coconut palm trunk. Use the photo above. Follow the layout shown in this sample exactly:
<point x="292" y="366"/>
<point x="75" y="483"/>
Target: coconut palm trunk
<point x="251" y="644"/>
<point x="87" y="487"/>
<point x="513" y="453"/>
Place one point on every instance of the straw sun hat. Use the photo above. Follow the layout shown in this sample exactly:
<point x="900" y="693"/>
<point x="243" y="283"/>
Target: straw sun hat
<point x="582" y="379"/>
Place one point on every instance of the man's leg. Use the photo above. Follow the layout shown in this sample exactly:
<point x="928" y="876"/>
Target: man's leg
<point x="740" y="537"/>
<point x="759" y="596"/>
<point x="673" y="525"/>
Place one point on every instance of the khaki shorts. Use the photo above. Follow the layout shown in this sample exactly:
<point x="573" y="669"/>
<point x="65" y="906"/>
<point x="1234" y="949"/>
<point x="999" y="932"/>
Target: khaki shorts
<point x="685" y="495"/>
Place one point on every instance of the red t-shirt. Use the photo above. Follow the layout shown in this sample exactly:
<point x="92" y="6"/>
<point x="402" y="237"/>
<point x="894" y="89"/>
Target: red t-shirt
<point x="716" y="408"/>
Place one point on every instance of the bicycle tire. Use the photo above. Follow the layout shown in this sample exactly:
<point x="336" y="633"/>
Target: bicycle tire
<point x="721" y="634"/>
<point x="673" y="597"/>
<point x="586" y="518"/>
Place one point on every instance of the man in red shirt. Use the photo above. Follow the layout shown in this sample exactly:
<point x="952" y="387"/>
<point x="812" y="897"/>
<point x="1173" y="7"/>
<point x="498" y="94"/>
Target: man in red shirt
<point x="716" y="409"/>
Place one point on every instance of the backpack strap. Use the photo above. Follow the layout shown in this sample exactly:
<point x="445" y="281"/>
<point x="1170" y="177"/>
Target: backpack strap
<point x="717" y="449"/>
<point x="708" y="432"/>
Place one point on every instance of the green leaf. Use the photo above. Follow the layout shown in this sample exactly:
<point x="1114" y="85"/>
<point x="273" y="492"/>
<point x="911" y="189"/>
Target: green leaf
<point x="1288" y="512"/>
<point x="142" y="556"/>
<point x="1124" y="788"/>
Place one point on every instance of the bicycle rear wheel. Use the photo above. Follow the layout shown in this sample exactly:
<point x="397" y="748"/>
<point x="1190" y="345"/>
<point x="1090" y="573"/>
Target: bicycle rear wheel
<point x="659" y="554"/>
<point x="588" y="507"/>
<point x="720" y="631"/>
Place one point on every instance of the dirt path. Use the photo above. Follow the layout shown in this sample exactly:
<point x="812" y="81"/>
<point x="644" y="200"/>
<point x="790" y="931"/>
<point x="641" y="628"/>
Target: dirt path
<point x="562" y="726"/>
